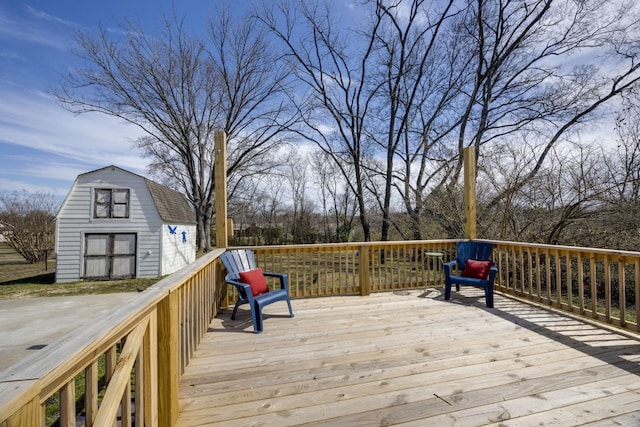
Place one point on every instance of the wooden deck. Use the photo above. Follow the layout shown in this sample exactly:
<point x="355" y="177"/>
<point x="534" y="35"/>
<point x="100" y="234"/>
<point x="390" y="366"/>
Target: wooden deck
<point x="411" y="359"/>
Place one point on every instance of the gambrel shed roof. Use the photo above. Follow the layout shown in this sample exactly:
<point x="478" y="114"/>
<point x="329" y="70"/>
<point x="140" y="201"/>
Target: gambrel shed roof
<point x="171" y="204"/>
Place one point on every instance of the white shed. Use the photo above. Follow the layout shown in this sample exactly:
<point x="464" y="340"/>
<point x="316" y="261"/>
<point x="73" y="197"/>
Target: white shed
<point x="115" y="224"/>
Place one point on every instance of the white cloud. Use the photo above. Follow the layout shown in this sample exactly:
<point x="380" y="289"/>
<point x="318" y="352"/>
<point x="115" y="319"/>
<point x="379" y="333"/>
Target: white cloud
<point x="36" y="121"/>
<point x="14" y="28"/>
<point x="10" y="185"/>
<point x="48" y="17"/>
<point x="53" y="145"/>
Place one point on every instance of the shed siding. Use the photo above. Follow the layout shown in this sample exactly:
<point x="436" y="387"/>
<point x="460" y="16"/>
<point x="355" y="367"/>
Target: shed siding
<point x="177" y="249"/>
<point x="75" y="220"/>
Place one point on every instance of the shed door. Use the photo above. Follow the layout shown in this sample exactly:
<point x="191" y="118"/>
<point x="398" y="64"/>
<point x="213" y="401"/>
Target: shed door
<point x="110" y="256"/>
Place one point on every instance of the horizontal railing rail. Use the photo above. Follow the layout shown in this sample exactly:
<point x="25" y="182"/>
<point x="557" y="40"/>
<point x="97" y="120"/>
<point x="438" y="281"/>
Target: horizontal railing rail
<point x="127" y="365"/>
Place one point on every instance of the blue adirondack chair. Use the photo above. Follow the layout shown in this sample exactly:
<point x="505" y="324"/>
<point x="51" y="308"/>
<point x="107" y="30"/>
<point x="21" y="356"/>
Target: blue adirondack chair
<point x="476" y="274"/>
<point x="243" y="261"/>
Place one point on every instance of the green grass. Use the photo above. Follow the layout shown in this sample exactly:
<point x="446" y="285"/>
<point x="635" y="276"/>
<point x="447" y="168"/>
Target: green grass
<point x="18" y="279"/>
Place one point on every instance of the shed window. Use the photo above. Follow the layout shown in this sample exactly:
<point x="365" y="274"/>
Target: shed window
<point x="111" y="203"/>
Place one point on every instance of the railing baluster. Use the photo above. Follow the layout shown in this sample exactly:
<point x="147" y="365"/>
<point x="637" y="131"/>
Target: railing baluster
<point x="622" y="300"/>
<point x="637" y="291"/>
<point x="569" y="280"/>
<point x="547" y="265"/>
<point x="364" y="271"/>
<point x="149" y="381"/>
<point x="580" y="266"/>
<point x="322" y="268"/>
<point x="91" y="392"/>
<point x="594" y="286"/>
<point x="521" y="270"/>
<point x="538" y="275"/>
<point x="125" y="406"/>
<point x="607" y="289"/>
<point x="139" y="385"/>
<point x="68" y="404"/>
<point x="529" y="256"/>
<point x="168" y="357"/>
<point x="557" y="276"/>
<point x="511" y="262"/>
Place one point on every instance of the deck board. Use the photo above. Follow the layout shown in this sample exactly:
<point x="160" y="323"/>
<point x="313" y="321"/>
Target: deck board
<point x="412" y="359"/>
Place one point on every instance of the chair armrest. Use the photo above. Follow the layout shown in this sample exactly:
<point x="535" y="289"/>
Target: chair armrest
<point x="241" y="286"/>
<point x="284" y="279"/>
<point x="449" y="265"/>
<point x="492" y="273"/>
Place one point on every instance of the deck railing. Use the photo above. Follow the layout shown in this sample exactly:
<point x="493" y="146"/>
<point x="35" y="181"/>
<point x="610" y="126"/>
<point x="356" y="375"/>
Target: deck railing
<point x="339" y="269"/>
<point x="128" y="364"/>
<point x="598" y="284"/>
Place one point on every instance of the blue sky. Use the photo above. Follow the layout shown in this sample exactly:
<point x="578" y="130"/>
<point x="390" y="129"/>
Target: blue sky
<point x="44" y="147"/>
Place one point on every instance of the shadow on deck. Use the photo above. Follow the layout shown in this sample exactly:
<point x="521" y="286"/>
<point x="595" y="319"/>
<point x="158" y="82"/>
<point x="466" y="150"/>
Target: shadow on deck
<point x="410" y="358"/>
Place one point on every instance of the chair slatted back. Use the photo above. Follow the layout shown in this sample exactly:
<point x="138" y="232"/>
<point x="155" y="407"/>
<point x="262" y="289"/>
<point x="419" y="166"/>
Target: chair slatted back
<point x="238" y="260"/>
<point x="473" y="250"/>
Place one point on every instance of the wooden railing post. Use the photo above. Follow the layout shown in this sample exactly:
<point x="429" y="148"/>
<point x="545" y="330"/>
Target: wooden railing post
<point x="220" y="182"/>
<point x="470" y="224"/>
<point x="68" y="404"/>
<point x="30" y="414"/>
<point x="168" y="359"/>
<point x="224" y="225"/>
<point x="150" y="380"/>
<point x="365" y="287"/>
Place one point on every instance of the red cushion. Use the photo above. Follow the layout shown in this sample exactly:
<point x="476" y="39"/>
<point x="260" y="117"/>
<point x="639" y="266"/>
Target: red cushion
<point x="256" y="280"/>
<point x="477" y="269"/>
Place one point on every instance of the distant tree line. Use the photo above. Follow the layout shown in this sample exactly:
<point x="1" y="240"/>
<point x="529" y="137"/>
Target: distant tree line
<point x="389" y="103"/>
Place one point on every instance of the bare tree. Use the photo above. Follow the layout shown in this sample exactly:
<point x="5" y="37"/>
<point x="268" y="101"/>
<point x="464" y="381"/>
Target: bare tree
<point x="271" y="208"/>
<point x="621" y="213"/>
<point x="28" y="225"/>
<point x="422" y="81"/>
<point x="407" y="46"/>
<point x="624" y="164"/>
<point x="334" y="75"/>
<point x="525" y="82"/>
<point x="253" y="105"/>
<point x="557" y="206"/>
<point x="339" y="205"/>
<point x="297" y="174"/>
<point x="536" y="72"/>
<point x="325" y="180"/>
<point x="178" y="89"/>
<point x="257" y="209"/>
<point x="392" y="104"/>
